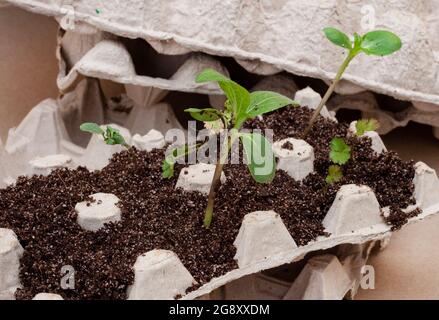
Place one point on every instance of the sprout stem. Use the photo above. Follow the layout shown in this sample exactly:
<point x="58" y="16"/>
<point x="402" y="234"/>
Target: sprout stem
<point x="213" y="188"/>
<point x="216" y="181"/>
<point x="330" y="90"/>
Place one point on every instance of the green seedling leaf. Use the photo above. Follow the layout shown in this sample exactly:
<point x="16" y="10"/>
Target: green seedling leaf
<point x="167" y="169"/>
<point x="380" y="43"/>
<point x="119" y="139"/>
<point x="208" y="75"/>
<point x="113" y="137"/>
<point x="91" y="127"/>
<point x="238" y="97"/>
<point x="259" y="155"/>
<point x="334" y="174"/>
<point x="365" y="125"/>
<point x="267" y="101"/>
<point x="208" y="114"/>
<point x="340" y="151"/>
<point x="338" y="38"/>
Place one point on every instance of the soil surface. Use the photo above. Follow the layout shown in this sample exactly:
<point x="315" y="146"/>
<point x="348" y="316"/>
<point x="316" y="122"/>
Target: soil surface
<point x="156" y="216"/>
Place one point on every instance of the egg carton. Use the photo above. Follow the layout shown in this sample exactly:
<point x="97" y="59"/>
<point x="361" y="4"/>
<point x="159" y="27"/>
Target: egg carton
<point x="51" y="128"/>
<point x="266" y="49"/>
<point x="367" y="104"/>
<point x="324" y="277"/>
<point x="103" y="56"/>
<point x="332" y="275"/>
<point x="263" y="241"/>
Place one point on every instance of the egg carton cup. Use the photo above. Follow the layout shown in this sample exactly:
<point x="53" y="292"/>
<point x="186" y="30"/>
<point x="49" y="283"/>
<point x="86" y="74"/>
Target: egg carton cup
<point x="333" y="275"/>
<point x="268" y="34"/>
<point x="109" y="59"/>
<point x="366" y="103"/>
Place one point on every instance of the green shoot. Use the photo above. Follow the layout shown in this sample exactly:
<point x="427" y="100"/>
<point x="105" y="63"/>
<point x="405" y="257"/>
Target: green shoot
<point x="340" y="153"/>
<point x="240" y="106"/>
<point x="365" y="125"/>
<point x="334" y="174"/>
<point x="377" y="43"/>
<point x="111" y="135"/>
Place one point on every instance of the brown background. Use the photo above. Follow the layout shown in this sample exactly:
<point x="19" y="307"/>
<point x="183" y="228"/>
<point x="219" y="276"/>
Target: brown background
<point x="407" y="269"/>
<point x="28" y="66"/>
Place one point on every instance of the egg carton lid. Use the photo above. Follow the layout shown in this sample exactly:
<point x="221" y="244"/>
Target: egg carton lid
<point x="269" y="33"/>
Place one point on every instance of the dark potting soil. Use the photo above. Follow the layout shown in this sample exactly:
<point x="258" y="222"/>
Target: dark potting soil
<point x="397" y="218"/>
<point x="156" y="216"/>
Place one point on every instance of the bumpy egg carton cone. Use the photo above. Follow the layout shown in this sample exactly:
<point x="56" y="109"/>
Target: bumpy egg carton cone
<point x="333" y="275"/>
<point x="366" y="103"/>
<point x="109" y="59"/>
<point x="136" y="19"/>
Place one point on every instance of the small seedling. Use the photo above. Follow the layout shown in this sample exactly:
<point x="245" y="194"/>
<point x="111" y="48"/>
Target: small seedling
<point x="377" y="43"/>
<point x="364" y="125"/>
<point x="340" y="151"/>
<point x="339" y="154"/>
<point x="240" y="106"/>
<point x="111" y="135"/>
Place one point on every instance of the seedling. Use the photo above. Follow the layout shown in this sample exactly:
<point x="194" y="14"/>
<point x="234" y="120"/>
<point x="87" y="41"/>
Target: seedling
<point x="377" y="43"/>
<point x="340" y="151"/>
<point x="111" y="135"/>
<point x="240" y="106"/>
<point x="365" y="125"/>
<point x="340" y="154"/>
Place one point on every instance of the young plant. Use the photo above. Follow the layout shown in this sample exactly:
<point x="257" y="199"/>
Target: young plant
<point x="240" y="106"/>
<point x="364" y="125"/>
<point x="339" y="154"/>
<point x="377" y="43"/>
<point x="111" y="135"/>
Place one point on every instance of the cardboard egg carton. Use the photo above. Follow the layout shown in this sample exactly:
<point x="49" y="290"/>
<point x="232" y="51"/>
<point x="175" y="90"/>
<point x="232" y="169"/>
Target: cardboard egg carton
<point x="275" y="248"/>
<point x="109" y="59"/>
<point x="264" y="242"/>
<point x="134" y="19"/>
<point x="366" y="103"/>
<point x="105" y="57"/>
